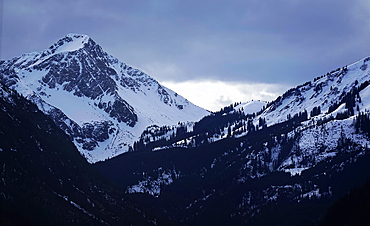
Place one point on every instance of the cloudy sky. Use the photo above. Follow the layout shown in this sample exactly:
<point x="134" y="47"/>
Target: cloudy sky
<point x="211" y="52"/>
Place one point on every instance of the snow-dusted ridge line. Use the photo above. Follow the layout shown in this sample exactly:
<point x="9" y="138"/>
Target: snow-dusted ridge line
<point x="322" y="91"/>
<point x="70" y="43"/>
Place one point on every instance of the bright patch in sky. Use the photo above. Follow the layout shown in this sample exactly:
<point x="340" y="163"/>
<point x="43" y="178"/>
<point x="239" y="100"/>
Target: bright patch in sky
<point x="213" y="95"/>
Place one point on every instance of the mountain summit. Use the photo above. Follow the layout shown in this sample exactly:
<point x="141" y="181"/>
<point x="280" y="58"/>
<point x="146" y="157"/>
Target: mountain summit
<point x="101" y="103"/>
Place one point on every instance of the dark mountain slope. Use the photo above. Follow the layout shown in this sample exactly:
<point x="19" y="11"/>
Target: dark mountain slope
<point x="212" y="184"/>
<point x="45" y="181"/>
<point x="351" y="209"/>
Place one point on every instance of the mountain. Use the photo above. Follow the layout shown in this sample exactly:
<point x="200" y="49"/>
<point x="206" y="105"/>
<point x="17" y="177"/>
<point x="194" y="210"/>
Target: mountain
<point x="283" y="164"/>
<point x="100" y="102"/>
<point x="44" y="180"/>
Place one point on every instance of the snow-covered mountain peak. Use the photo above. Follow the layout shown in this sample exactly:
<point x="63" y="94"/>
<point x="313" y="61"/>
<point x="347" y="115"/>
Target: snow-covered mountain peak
<point x="69" y="43"/>
<point x="102" y="103"/>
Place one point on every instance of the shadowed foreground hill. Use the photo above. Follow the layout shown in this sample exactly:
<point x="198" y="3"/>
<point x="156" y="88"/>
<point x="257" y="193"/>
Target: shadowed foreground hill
<point x="351" y="209"/>
<point x="45" y="181"/>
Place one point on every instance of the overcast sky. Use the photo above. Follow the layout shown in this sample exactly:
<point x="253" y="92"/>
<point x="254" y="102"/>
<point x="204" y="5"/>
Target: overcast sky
<point x="211" y="52"/>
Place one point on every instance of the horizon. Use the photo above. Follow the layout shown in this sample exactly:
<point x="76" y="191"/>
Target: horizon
<point x="211" y="53"/>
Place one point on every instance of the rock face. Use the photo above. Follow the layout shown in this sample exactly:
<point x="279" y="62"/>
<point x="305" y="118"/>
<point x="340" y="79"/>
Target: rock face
<point x="100" y="102"/>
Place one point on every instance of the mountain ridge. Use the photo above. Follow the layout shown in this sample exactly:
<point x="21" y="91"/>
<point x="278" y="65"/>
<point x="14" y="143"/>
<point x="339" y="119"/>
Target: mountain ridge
<point x="297" y="151"/>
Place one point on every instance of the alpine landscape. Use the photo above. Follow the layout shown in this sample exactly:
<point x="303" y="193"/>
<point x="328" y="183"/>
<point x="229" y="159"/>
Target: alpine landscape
<point x="88" y="140"/>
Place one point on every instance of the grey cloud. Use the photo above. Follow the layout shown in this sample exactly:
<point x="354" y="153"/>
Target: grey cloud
<point x="222" y="101"/>
<point x="272" y="41"/>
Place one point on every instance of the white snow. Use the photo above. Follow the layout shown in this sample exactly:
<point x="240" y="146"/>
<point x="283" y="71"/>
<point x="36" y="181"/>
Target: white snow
<point x="296" y="171"/>
<point x="365" y="99"/>
<point x="80" y="110"/>
<point x="153" y="186"/>
<point x="313" y="193"/>
<point x="317" y="143"/>
<point x="251" y="106"/>
<point x="77" y="43"/>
